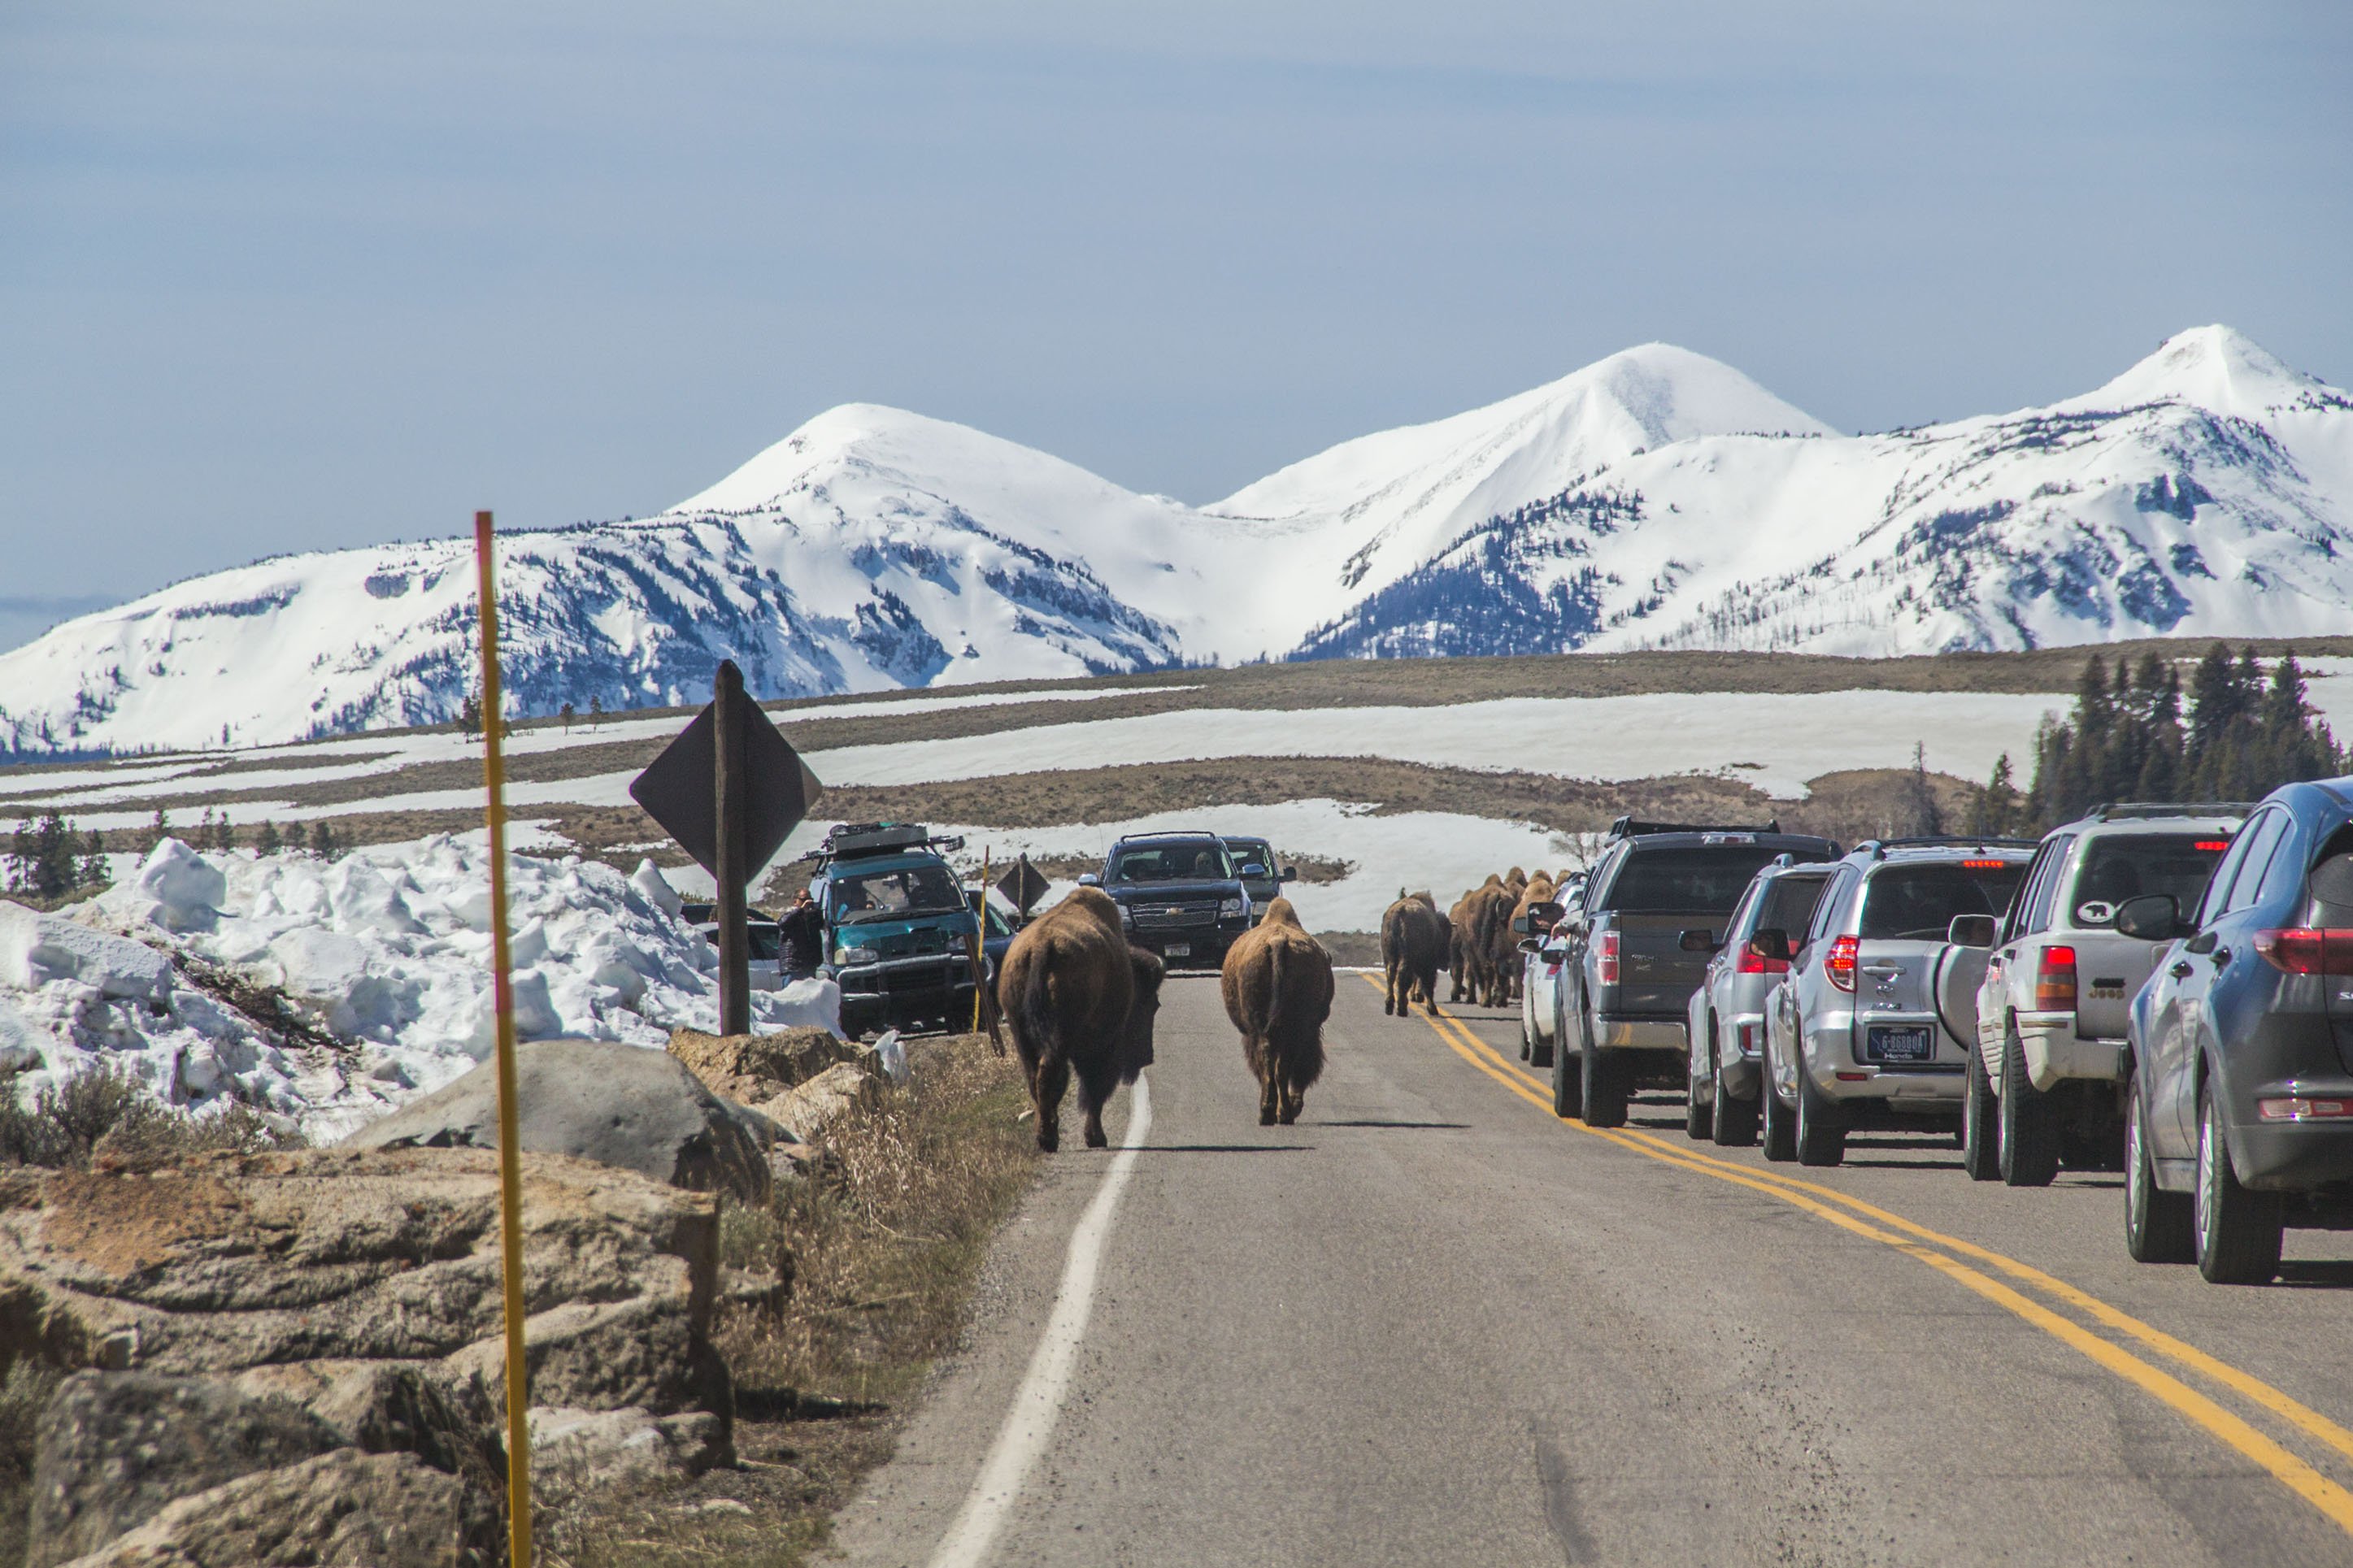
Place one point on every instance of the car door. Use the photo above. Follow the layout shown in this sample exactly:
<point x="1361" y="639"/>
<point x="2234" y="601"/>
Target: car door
<point x="1707" y="1004"/>
<point x="1811" y="991"/>
<point x="1577" y="960"/>
<point x="2180" y="1013"/>
<point x="2029" y="917"/>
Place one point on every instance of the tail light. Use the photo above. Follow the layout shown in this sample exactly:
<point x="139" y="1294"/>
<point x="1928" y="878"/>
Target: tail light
<point x="2054" y="979"/>
<point x="2307" y="951"/>
<point x="1749" y="1032"/>
<point x="1751" y="963"/>
<point x="1840" y="964"/>
<point x="2304" y="1108"/>
<point x="1605" y="959"/>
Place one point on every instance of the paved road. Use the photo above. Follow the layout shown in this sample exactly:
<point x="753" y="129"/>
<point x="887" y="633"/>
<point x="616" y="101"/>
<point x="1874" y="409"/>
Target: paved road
<point x="1431" y="1325"/>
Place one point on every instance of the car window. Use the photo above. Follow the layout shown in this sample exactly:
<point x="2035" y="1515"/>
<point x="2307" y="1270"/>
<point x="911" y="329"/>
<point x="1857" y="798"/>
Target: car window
<point x="1701" y="879"/>
<point x="1245" y="851"/>
<point x="2118" y="867"/>
<point x="2035" y="907"/>
<point x="1193" y="860"/>
<point x="1738" y="920"/>
<point x="2283" y="877"/>
<point x="2263" y="837"/>
<point x="2013" y="924"/>
<point x="1789" y="902"/>
<point x="1917" y="903"/>
<point x="1833" y="900"/>
<point x="2209" y="908"/>
<point x="857" y="897"/>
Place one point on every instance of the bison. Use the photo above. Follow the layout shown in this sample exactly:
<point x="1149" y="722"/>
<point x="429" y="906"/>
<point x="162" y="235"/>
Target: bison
<point x="1489" y="947"/>
<point x="1079" y="1001"/>
<point x="1414" y="942"/>
<point x="1277" y="983"/>
<point x="1538" y="891"/>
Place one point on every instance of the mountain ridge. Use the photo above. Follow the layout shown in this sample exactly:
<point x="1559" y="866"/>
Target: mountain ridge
<point x="1655" y="499"/>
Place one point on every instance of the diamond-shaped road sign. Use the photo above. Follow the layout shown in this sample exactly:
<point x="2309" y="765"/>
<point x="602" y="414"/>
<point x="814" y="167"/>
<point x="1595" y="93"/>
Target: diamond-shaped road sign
<point x="1022" y="884"/>
<point x="676" y="788"/>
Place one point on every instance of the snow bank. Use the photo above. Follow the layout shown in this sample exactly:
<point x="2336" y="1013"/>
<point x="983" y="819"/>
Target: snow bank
<point x="388" y="945"/>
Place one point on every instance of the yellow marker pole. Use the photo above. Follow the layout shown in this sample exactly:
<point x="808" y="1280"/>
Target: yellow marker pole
<point x="503" y="992"/>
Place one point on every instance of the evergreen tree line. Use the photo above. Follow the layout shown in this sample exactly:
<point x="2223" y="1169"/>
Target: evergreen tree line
<point x="219" y="835"/>
<point x="47" y="859"/>
<point x="2236" y="735"/>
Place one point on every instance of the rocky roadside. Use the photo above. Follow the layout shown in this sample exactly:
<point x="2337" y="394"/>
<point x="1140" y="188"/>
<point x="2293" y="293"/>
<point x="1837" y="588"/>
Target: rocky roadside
<point x="256" y="1356"/>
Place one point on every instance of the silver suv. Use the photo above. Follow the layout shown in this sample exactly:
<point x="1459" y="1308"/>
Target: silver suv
<point x="1857" y="1034"/>
<point x="1727" y="1018"/>
<point x="2057" y="979"/>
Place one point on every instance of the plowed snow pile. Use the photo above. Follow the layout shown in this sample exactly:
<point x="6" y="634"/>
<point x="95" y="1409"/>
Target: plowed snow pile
<point x="389" y="947"/>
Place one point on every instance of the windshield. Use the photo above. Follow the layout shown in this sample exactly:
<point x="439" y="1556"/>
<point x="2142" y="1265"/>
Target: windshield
<point x="1695" y="881"/>
<point x="2130" y="866"/>
<point x="1192" y="860"/>
<point x="1249" y="851"/>
<point x="858" y="896"/>
<point x="1917" y="903"/>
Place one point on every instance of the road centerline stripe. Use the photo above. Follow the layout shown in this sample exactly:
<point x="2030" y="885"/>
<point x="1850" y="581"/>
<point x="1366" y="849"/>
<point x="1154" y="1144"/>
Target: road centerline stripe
<point x="1036" y="1404"/>
<point x="1917" y="1241"/>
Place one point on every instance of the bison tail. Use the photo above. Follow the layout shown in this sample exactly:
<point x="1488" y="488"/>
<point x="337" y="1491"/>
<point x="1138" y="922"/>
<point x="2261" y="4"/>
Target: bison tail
<point x="1038" y="1017"/>
<point x="1274" y="985"/>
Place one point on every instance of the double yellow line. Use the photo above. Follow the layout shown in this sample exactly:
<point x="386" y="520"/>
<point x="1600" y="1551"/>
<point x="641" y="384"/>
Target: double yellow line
<point x="1956" y="1260"/>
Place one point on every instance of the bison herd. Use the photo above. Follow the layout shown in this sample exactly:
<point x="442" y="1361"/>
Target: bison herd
<point x="1079" y="1000"/>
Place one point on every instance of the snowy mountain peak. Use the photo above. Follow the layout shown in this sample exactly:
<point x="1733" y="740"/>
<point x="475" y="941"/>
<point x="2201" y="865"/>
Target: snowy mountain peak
<point x="2214" y="367"/>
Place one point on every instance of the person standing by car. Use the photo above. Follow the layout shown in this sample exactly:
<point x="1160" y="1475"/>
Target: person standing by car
<point x="802" y="935"/>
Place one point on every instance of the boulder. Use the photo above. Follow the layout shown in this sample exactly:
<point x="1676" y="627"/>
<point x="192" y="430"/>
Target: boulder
<point x="344" y="1509"/>
<point x="603" y="1100"/>
<point x="115" y="1448"/>
<point x="808" y="1109"/>
<point x="753" y="1069"/>
<point x="342" y="1260"/>
<point x="582" y="1451"/>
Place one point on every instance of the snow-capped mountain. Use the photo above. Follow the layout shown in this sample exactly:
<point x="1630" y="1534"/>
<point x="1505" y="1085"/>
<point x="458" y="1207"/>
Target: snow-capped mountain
<point x="1655" y="499"/>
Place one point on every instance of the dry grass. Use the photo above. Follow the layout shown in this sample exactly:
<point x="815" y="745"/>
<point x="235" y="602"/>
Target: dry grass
<point x="882" y="1246"/>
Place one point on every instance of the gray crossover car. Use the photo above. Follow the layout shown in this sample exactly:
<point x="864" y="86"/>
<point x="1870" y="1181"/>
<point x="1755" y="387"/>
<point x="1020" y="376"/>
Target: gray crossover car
<point x="2239" y="1116"/>
<point x="1856" y="1034"/>
<point x="1726" y="1018"/>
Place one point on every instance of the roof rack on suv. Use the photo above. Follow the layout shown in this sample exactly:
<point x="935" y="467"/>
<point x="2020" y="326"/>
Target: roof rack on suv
<point x="1879" y="847"/>
<point x="1170" y="833"/>
<point x="1635" y="827"/>
<point x="2133" y="810"/>
<point x="849" y="840"/>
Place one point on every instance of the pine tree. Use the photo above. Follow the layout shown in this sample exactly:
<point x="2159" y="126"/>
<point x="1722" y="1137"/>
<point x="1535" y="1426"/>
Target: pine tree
<point x="265" y="841"/>
<point x="94" y="872"/>
<point x="596" y="709"/>
<point x="1997" y="810"/>
<point x="322" y="839"/>
<point x="565" y="713"/>
<point x="469" y="716"/>
<point x="20" y="857"/>
<point x="160" y="831"/>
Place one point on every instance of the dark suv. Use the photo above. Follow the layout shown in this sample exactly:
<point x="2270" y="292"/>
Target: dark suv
<point x="1180" y="895"/>
<point x="2239" y="1113"/>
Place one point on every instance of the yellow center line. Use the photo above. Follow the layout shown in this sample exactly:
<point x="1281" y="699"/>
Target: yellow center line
<point x="1906" y="1237"/>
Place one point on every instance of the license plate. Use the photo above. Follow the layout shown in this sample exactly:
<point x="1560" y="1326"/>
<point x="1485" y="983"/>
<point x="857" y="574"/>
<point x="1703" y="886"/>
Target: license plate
<point x="1910" y="1043"/>
<point x="1179" y="950"/>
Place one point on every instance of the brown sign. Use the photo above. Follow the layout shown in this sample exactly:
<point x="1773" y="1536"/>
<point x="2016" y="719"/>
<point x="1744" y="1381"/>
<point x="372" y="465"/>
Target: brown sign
<point x="1023" y="884"/>
<point x="676" y="789"/>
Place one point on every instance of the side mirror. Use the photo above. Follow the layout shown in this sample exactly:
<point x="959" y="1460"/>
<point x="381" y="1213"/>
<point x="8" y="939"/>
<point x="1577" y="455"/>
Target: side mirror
<point x="1531" y="946"/>
<point x="1699" y="939"/>
<point x="1089" y="879"/>
<point x="2152" y="917"/>
<point x="1290" y="874"/>
<point x="1972" y="930"/>
<point x="1770" y="943"/>
<point x="1538" y="918"/>
<point x="1254" y="871"/>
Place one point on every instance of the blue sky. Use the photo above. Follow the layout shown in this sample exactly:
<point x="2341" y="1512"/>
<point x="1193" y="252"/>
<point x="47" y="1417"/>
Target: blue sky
<point x="281" y="277"/>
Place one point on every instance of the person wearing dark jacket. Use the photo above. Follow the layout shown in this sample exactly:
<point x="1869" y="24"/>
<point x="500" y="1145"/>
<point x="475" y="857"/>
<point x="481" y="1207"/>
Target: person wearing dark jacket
<point x="801" y="933"/>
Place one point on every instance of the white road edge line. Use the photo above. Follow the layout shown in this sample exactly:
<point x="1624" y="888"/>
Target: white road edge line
<point x="1038" y="1403"/>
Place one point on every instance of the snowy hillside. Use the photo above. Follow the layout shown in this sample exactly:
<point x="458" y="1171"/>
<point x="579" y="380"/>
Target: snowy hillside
<point x="1655" y="499"/>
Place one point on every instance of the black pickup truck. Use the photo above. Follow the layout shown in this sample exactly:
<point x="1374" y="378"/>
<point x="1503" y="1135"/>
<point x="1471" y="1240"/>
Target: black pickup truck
<point x="1627" y="974"/>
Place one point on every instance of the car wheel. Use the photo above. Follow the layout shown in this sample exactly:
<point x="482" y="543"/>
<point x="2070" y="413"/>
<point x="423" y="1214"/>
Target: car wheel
<point x="1981" y="1122"/>
<point x="1699" y="1117"/>
<point x="2030" y="1132"/>
<point x="1604" y="1086"/>
<point x="1527" y="1046"/>
<point x="2156" y="1223"/>
<point x="1736" y="1120"/>
<point x="1821" y="1126"/>
<point x="2237" y="1232"/>
<point x="1567" y="1083"/>
<point x="1779" y="1118"/>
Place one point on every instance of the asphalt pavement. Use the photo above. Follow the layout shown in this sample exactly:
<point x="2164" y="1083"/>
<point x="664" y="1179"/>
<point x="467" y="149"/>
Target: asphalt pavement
<point x="1433" y="1324"/>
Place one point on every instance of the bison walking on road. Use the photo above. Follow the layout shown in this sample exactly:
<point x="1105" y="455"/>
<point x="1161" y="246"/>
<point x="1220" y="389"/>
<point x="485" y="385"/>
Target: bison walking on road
<point x="1277" y="983"/>
<point x="1414" y="941"/>
<point x="1079" y="1001"/>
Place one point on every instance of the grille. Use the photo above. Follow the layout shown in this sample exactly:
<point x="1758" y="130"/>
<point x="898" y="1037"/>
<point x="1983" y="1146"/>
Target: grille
<point x="1173" y="917"/>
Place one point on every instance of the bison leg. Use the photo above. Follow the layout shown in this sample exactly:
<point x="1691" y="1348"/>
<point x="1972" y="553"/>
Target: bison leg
<point x="1389" y="987"/>
<point x="1270" y="1095"/>
<point x="1048" y="1085"/>
<point x="1294" y="1098"/>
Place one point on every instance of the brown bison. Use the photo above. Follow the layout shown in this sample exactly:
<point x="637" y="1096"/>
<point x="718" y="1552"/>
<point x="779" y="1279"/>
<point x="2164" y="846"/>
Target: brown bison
<point x="1277" y="983"/>
<point x="1538" y="891"/>
<point x="1492" y="949"/>
<point x="1079" y="1001"/>
<point x="1414" y="941"/>
<point x="1464" y="962"/>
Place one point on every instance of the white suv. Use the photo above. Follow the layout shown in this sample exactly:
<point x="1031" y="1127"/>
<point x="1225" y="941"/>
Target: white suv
<point x="2046" y="1081"/>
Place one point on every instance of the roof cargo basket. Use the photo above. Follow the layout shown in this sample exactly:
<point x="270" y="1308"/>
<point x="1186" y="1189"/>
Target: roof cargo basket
<point x="1636" y="827"/>
<point x="1879" y="847"/>
<point x="850" y="839"/>
<point x="2140" y="810"/>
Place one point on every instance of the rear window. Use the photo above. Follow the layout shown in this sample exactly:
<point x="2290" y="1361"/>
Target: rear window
<point x="1701" y="880"/>
<point x="1198" y="861"/>
<point x="1917" y="903"/>
<point x="1789" y="903"/>
<point x="2131" y="866"/>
